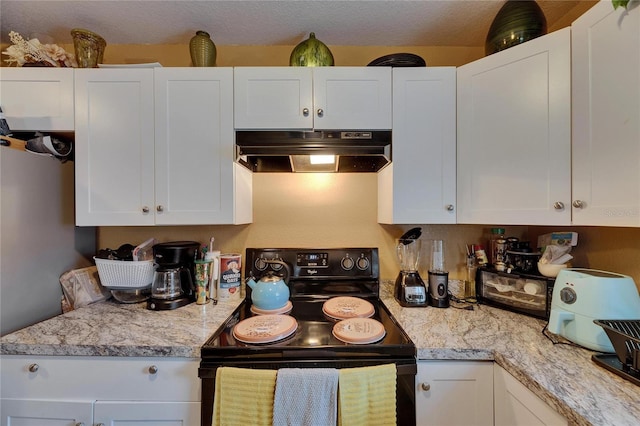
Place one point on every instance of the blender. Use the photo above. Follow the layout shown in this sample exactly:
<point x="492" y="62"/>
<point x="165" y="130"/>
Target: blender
<point x="410" y="290"/>
<point x="438" y="277"/>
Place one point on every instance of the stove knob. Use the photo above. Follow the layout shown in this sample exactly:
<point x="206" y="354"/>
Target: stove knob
<point x="277" y="266"/>
<point x="260" y="264"/>
<point x="568" y="295"/>
<point x="347" y="263"/>
<point x="363" y="263"/>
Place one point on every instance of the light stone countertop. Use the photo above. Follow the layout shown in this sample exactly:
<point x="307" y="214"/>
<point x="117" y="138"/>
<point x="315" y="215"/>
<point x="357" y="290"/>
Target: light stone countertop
<point x="562" y="376"/>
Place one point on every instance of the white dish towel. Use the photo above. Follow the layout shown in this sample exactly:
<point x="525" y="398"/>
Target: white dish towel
<point x="306" y="397"/>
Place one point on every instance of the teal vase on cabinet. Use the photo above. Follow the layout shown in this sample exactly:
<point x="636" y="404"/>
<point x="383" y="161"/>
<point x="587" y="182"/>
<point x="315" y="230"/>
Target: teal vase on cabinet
<point x="203" y="50"/>
<point x="516" y="22"/>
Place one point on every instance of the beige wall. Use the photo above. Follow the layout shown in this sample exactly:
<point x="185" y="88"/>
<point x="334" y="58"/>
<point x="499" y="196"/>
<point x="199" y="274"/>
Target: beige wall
<point x="335" y="210"/>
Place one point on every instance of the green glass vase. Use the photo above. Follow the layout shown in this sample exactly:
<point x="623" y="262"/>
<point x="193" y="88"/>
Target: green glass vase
<point x="516" y="22"/>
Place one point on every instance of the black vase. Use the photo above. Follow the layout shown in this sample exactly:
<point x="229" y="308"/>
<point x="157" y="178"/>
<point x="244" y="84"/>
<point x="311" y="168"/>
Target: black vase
<point x="516" y="22"/>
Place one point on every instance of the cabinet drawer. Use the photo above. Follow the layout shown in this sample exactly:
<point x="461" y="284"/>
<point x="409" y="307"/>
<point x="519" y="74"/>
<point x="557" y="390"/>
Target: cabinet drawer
<point x="121" y="378"/>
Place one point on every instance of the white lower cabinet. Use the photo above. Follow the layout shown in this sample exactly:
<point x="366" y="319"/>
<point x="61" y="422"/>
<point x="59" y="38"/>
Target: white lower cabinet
<point x="454" y="393"/>
<point x="32" y="412"/>
<point x="515" y="405"/>
<point x="115" y="413"/>
<point x="73" y="391"/>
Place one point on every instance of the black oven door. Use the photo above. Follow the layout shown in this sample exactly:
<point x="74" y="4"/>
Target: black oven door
<point x="405" y="385"/>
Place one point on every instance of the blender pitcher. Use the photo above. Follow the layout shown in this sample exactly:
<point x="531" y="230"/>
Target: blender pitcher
<point x="410" y="290"/>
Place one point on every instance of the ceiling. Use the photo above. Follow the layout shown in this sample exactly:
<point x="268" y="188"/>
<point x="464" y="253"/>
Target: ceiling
<point x="266" y="22"/>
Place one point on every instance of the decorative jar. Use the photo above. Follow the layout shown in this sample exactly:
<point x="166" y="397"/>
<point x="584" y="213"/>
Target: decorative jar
<point x="89" y="48"/>
<point x="203" y="50"/>
<point x="516" y="22"/>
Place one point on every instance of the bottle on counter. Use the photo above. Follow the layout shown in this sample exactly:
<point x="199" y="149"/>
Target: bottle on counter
<point x="481" y="255"/>
<point x="470" y="285"/>
<point x="496" y="253"/>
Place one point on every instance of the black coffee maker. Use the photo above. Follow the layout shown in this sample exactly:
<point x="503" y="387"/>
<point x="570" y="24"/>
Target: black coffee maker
<point x="174" y="279"/>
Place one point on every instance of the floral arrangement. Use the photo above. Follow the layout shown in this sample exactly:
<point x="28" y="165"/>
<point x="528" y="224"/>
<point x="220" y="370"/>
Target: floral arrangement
<point x="23" y="52"/>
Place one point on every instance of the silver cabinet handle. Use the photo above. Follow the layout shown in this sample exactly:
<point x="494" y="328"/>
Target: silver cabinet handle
<point x="153" y="369"/>
<point x="100" y="424"/>
<point x="578" y="204"/>
<point x="320" y="112"/>
<point x="159" y="208"/>
<point x="558" y="205"/>
<point x="425" y="386"/>
<point x="305" y="112"/>
<point x="34" y="368"/>
<point x="82" y="424"/>
<point x="145" y="209"/>
<point x="450" y="207"/>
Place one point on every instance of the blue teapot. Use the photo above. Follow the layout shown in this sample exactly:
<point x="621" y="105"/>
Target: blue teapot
<point x="270" y="291"/>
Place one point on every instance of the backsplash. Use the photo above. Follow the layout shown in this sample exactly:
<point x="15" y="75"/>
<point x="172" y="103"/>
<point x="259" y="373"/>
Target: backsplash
<point x="337" y="210"/>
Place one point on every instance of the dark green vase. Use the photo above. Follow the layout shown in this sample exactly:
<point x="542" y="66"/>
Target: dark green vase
<point x="516" y="22"/>
<point x="203" y="50"/>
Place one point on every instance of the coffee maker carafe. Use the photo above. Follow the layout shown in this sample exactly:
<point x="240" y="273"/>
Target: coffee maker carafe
<point x="173" y="283"/>
<point x="410" y="290"/>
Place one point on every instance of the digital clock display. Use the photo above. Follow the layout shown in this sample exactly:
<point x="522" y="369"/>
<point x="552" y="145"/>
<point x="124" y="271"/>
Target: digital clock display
<point x="312" y="259"/>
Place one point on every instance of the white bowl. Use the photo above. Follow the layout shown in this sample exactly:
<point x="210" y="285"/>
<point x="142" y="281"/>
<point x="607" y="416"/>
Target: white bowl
<point x="550" y="269"/>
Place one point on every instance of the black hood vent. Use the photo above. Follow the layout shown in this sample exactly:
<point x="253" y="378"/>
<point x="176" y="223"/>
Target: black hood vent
<point x="290" y="151"/>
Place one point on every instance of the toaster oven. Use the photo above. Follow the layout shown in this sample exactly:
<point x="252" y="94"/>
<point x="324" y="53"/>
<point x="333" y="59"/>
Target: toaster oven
<point x="518" y="292"/>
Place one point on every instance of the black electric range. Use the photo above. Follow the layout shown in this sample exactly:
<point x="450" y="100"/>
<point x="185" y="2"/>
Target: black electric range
<point x="316" y="275"/>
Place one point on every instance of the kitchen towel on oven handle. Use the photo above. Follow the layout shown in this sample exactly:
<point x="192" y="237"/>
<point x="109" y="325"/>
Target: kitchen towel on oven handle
<point x="367" y="396"/>
<point x="306" y="397"/>
<point x="244" y="396"/>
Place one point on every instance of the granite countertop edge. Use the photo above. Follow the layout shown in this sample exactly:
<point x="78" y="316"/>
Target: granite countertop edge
<point x="562" y="376"/>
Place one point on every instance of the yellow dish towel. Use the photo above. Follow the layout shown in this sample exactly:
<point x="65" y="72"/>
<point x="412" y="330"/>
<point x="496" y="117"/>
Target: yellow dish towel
<point x="367" y="396"/>
<point x="243" y="396"/>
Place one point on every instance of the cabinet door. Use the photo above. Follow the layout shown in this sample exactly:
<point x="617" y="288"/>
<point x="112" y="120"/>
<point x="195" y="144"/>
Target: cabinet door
<point x="31" y="412"/>
<point x="454" y="393"/>
<point x="273" y="98"/>
<point x="606" y="116"/>
<point x="37" y="98"/>
<point x="514" y="135"/>
<point x="515" y="405"/>
<point x="352" y="98"/>
<point x="194" y="150"/>
<point x="121" y="413"/>
<point x="114" y="149"/>
<point x="419" y="186"/>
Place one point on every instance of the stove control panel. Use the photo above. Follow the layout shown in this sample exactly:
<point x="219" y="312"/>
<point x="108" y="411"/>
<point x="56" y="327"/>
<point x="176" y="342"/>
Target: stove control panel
<point x="315" y="263"/>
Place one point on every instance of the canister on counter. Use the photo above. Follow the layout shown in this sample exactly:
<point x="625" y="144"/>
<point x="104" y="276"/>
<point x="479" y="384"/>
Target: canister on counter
<point x="230" y="276"/>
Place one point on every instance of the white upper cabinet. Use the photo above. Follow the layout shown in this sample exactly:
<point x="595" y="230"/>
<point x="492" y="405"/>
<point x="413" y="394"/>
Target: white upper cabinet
<point x="156" y="147"/>
<point x="306" y="98"/>
<point x="606" y="116"/>
<point x="196" y="178"/>
<point x="514" y="135"/>
<point x="37" y="98"/>
<point x="114" y="147"/>
<point x="419" y="186"/>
